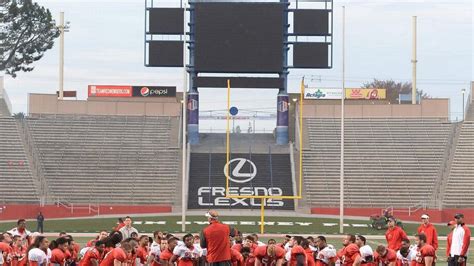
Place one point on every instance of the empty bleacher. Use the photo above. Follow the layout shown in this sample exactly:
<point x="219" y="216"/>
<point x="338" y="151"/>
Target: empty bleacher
<point x="460" y="184"/>
<point x="4" y="111"/>
<point x="107" y="159"/>
<point x="388" y="162"/>
<point x="16" y="182"/>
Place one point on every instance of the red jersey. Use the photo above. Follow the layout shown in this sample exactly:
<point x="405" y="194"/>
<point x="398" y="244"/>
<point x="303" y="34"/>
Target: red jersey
<point x="309" y="257"/>
<point x="394" y="237"/>
<point x="449" y="240"/>
<point x="216" y="240"/>
<point x="236" y="258"/>
<point x="58" y="257"/>
<point x="91" y="243"/>
<point x="91" y="254"/>
<point x="19" y="256"/>
<point x="262" y="255"/>
<point x="68" y="254"/>
<point x="237" y="247"/>
<point x="425" y="251"/>
<point x="131" y="259"/>
<point x="250" y="260"/>
<point x="142" y="254"/>
<point x="431" y="234"/>
<point x="6" y="250"/>
<point x="115" y="254"/>
<point x="390" y="256"/>
<point x="296" y="251"/>
<point x="349" y="254"/>
<point x="166" y="255"/>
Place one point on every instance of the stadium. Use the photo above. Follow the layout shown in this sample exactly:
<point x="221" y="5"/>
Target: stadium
<point x="330" y="161"/>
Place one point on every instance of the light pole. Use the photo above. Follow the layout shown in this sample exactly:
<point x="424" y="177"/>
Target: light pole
<point x="341" y="178"/>
<point x="184" y="125"/>
<point x="62" y="29"/>
<point x="463" y="91"/>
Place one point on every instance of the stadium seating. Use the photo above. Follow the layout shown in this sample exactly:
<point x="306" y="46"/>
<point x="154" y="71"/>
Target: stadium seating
<point x="388" y="162"/>
<point x="16" y="181"/>
<point x="460" y="184"/>
<point x="4" y="109"/>
<point x="107" y="159"/>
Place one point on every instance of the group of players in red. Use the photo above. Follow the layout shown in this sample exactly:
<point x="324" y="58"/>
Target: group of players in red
<point x="220" y="245"/>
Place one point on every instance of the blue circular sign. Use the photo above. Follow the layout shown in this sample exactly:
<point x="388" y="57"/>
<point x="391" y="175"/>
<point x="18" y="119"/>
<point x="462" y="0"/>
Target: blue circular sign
<point x="233" y="110"/>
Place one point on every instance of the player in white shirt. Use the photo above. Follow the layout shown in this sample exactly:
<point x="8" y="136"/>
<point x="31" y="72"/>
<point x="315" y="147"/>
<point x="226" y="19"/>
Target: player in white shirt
<point x="20" y="229"/>
<point x="327" y="253"/>
<point x="155" y="249"/>
<point x="37" y="255"/>
<point x="185" y="254"/>
<point x="366" y="252"/>
<point x="407" y="253"/>
<point x="197" y="244"/>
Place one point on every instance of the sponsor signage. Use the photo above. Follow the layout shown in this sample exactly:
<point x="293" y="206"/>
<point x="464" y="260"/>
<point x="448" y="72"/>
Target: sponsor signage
<point x="130" y="91"/>
<point x="248" y="175"/>
<point x="323" y="94"/>
<point x="109" y="91"/>
<point x="282" y="110"/>
<point x="68" y="94"/>
<point x="153" y="91"/>
<point x="366" y="94"/>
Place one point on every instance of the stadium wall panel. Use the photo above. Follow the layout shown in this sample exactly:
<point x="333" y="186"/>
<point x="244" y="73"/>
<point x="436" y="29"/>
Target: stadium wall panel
<point x="49" y="104"/>
<point x="428" y="108"/>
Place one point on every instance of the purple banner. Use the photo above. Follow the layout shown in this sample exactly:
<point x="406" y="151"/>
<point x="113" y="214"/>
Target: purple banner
<point x="282" y="110"/>
<point x="193" y="109"/>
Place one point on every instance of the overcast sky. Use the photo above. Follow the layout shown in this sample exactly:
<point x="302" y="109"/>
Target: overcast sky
<point x="105" y="46"/>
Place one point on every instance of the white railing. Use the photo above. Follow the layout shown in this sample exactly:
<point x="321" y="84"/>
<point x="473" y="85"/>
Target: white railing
<point x="92" y="208"/>
<point x="298" y="127"/>
<point x="410" y="210"/>
<point x="34" y="163"/>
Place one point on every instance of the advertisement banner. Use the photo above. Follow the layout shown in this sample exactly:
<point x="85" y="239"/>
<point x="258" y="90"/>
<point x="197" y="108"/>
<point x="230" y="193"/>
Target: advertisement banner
<point x="249" y="174"/>
<point x="68" y="94"/>
<point x="366" y="94"/>
<point x="193" y="108"/>
<point x="322" y="94"/>
<point x="109" y="91"/>
<point x="153" y="91"/>
<point x="282" y="110"/>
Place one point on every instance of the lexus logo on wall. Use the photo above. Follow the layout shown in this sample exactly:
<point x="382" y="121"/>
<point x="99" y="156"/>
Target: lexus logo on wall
<point x="243" y="171"/>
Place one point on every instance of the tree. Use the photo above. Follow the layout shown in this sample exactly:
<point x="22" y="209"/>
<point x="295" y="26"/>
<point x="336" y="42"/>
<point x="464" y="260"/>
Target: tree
<point x="393" y="89"/>
<point x="27" y="32"/>
<point x="19" y="115"/>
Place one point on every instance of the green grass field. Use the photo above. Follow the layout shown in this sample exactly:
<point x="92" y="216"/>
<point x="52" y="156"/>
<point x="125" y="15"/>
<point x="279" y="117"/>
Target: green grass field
<point x="317" y="227"/>
<point x="243" y="223"/>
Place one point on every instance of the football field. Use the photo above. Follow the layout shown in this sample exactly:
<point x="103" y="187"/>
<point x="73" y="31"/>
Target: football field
<point x="275" y="227"/>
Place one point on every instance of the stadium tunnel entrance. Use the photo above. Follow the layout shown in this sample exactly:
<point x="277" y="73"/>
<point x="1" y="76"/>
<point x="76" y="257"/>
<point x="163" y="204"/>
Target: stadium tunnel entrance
<point x="257" y="167"/>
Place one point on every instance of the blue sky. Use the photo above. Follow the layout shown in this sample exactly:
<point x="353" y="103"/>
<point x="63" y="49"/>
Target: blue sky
<point x="105" y="46"/>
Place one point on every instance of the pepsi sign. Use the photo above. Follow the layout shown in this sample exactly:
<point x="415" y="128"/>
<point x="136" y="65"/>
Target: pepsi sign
<point x="153" y="91"/>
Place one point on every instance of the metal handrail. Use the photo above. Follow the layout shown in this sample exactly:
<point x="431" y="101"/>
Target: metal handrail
<point x="35" y="163"/>
<point x="410" y="210"/>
